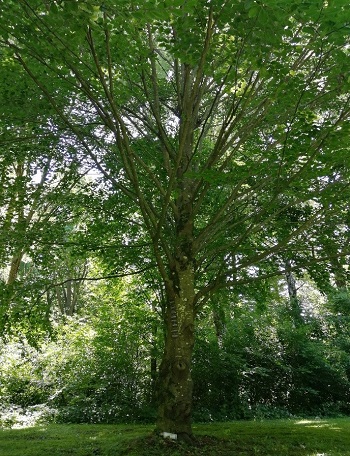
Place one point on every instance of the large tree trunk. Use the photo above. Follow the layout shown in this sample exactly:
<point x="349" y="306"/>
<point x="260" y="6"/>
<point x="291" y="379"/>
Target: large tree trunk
<point x="175" y="382"/>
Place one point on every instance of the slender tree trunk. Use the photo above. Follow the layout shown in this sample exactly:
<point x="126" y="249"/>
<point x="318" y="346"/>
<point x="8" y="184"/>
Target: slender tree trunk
<point x="339" y="272"/>
<point x="14" y="268"/>
<point x="154" y="363"/>
<point x="294" y="303"/>
<point x="219" y="321"/>
<point x="175" y="382"/>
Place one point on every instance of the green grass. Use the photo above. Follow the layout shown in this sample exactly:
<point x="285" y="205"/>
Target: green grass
<point x="281" y="438"/>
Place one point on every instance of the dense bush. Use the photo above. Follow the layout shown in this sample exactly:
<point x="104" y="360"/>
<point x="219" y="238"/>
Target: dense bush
<point x="99" y="368"/>
<point x="91" y="369"/>
<point x="22" y="381"/>
<point x="266" y="366"/>
<point x="101" y="371"/>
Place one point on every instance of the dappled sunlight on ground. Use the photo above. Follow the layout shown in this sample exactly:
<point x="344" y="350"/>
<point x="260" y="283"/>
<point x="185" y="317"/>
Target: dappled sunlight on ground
<point x="319" y="454"/>
<point x="318" y="424"/>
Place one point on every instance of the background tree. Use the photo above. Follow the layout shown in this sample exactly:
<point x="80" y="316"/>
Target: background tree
<point x="38" y="181"/>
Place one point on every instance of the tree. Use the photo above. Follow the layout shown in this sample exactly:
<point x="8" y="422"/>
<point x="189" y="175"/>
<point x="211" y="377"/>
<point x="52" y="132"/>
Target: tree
<point x="37" y="186"/>
<point x="208" y="120"/>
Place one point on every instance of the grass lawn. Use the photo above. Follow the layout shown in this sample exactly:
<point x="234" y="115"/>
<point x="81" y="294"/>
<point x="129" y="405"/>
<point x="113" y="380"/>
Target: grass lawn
<point x="245" y="438"/>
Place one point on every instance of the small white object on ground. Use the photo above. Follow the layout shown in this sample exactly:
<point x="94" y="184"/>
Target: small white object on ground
<point x="169" y="435"/>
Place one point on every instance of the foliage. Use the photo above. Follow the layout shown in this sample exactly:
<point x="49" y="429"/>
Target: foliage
<point x="93" y="368"/>
<point x="97" y="367"/>
<point x="265" y="366"/>
<point x="242" y="78"/>
<point x="219" y="137"/>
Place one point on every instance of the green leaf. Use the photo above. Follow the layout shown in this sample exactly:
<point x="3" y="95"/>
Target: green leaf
<point x="253" y="12"/>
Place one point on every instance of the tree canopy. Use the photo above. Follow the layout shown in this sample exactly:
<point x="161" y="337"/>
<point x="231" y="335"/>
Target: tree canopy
<point x="219" y="132"/>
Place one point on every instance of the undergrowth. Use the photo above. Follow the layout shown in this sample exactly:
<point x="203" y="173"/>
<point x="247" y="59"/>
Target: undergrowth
<point x="244" y="438"/>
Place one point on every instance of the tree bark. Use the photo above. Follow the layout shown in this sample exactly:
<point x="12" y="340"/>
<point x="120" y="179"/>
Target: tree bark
<point x="14" y="268"/>
<point x="175" y="382"/>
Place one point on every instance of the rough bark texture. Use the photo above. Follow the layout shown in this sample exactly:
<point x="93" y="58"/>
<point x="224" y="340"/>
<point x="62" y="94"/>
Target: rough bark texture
<point x="175" y="382"/>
